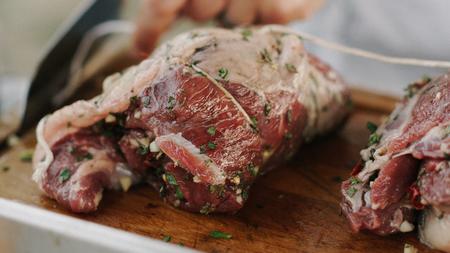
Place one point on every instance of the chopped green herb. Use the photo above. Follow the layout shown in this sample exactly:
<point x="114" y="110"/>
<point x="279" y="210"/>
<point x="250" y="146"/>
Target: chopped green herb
<point x="64" y="175"/>
<point x="133" y="100"/>
<point x="372" y="153"/>
<point x="207" y="208"/>
<point x="143" y="150"/>
<point x="146" y="101"/>
<point x="246" y="33"/>
<point x="351" y="191"/>
<point x="179" y="193"/>
<point x="374" y="139"/>
<point x="202" y="149"/>
<point x="195" y="62"/>
<point x="447" y="156"/>
<point x="5" y="168"/>
<point x="211" y="145"/>
<point x="202" y="48"/>
<point x="291" y="68"/>
<point x="252" y="169"/>
<point x="289" y="116"/>
<point x="181" y="244"/>
<point x="217" y="189"/>
<point x="171" y="103"/>
<point x="426" y="79"/>
<point x="171" y="179"/>
<point x="411" y="90"/>
<point x="267" y="109"/>
<point x="211" y="131"/>
<point x="265" y="56"/>
<point x="223" y="73"/>
<point x="372" y="127"/>
<point x="167" y="238"/>
<point x="220" y="235"/>
<point x="26" y="156"/>
<point x="254" y="121"/>
<point x="354" y="181"/>
<point x="244" y="194"/>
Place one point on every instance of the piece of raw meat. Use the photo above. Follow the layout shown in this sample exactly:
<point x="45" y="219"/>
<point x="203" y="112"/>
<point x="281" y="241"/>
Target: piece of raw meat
<point x="199" y="120"/>
<point x="405" y="169"/>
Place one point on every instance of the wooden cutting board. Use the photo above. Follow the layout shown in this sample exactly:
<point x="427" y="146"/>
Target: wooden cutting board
<point x="292" y="209"/>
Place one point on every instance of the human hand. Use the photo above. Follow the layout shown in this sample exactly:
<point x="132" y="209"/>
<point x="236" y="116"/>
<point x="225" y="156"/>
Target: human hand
<point x="156" y="16"/>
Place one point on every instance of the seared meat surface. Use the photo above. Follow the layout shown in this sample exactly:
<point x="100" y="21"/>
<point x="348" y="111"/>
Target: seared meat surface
<point x="200" y="120"/>
<point x="406" y="169"/>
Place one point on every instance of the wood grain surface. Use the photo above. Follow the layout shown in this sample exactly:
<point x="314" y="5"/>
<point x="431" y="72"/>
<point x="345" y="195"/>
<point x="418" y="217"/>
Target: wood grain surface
<point x="294" y="208"/>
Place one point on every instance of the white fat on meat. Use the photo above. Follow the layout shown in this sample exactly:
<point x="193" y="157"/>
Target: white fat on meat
<point x="434" y="229"/>
<point x="375" y="156"/>
<point x="173" y="144"/>
<point x="246" y="62"/>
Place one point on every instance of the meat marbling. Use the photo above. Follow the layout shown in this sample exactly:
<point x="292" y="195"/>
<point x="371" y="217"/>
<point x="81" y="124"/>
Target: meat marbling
<point x="406" y="169"/>
<point x="199" y="120"/>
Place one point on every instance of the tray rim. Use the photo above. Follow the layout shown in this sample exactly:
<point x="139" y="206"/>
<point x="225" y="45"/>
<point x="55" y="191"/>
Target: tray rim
<point x="63" y="227"/>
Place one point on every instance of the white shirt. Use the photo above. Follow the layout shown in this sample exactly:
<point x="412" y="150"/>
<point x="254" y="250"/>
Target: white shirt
<point x="402" y="28"/>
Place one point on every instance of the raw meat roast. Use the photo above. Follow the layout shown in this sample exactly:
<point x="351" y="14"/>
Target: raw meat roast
<point x="199" y="120"/>
<point x="406" y="168"/>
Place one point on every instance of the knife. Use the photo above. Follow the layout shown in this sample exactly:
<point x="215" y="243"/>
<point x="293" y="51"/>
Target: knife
<point x="52" y="73"/>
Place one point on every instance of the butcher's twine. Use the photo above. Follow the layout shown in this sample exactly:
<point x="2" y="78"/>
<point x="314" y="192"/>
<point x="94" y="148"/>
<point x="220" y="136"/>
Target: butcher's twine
<point x="120" y="26"/>
<point x="363" y="53"/>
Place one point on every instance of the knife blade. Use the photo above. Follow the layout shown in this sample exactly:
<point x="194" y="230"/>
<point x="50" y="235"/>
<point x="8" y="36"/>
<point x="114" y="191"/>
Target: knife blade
<point x="52" y="72"/>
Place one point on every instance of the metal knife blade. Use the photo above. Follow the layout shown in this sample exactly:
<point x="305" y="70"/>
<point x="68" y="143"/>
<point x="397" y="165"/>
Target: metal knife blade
<point x="52" y="73"/>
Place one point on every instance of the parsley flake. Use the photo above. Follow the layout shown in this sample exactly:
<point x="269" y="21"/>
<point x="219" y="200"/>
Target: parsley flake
<point x="253" y="169"/>
<point x="291" y="68"/>
<point x="265" y="56"/>
<point x="178" y="193"/>
<point x="220" y="235"/>
<point x="246" y="34"/>
<point x="374" y="139"/>
<point x="64" y="175"/>
<point x="351" y="191"/>
<point x="211" y="131"/>
<point x="171" y="103"/>
<point x="207" y="208"/>
<point x="167" y="238"/>
<point x="26" y="156"/>
<point x="211" y="145"/>
<point x="354" y="181"/>
<point x="254" y="121"/>
<point x="202" y="149"/>
<point x="223" y="73"/>
<point x="289" y="116"/>
<point x="143" y="150"/>
<point x="267" y="109"/>
<point x="171" y="179"/>
<point x="372" y="127"/>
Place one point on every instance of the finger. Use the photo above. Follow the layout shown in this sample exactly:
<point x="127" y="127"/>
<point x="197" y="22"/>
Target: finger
<point x="241" y="12"/>
<point x="284" y="11"/>
<point x="154" y="18"/>
<point x="202" y="10"/>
